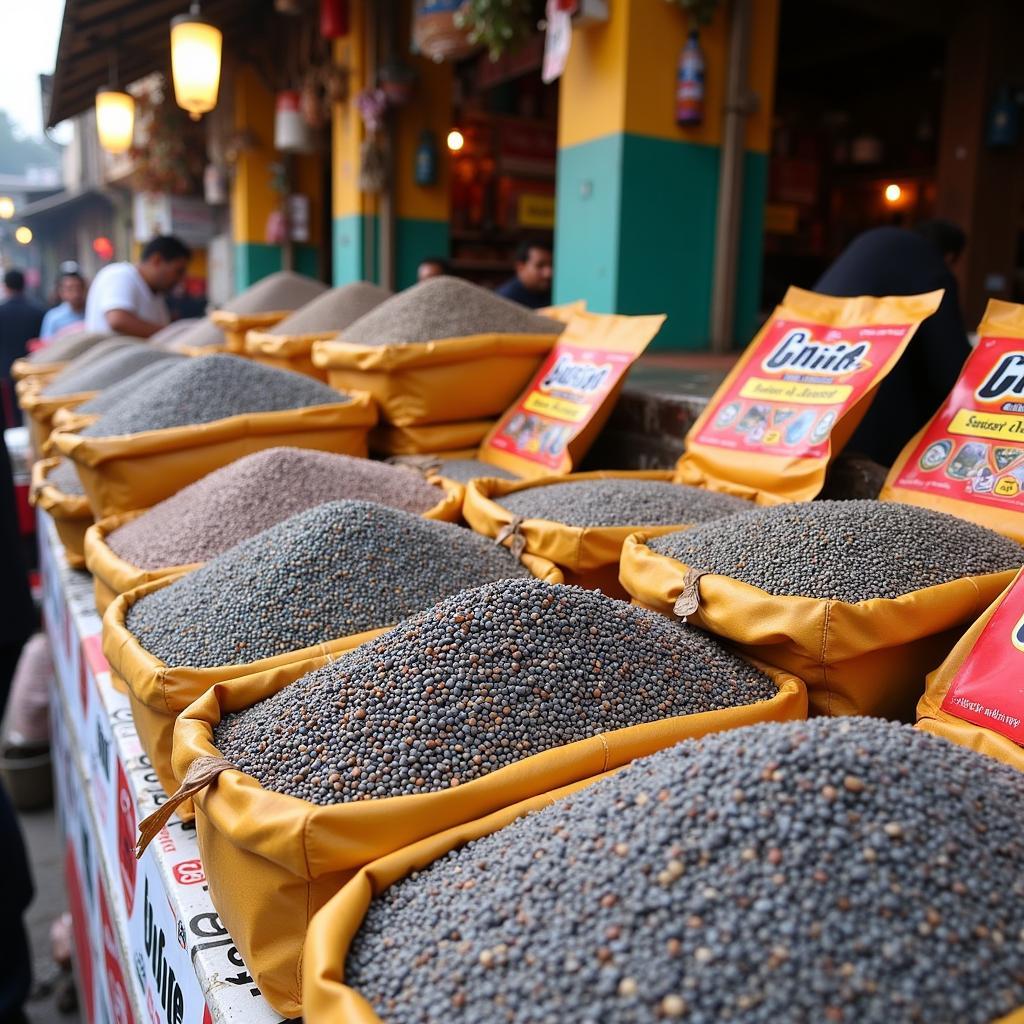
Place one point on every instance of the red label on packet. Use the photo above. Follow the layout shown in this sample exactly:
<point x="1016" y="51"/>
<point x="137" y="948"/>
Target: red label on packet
<point x="793" y="390"/>
<point x="989" y="688"/>
<point x="566" y="393"/>
<point x="973" y="449"/>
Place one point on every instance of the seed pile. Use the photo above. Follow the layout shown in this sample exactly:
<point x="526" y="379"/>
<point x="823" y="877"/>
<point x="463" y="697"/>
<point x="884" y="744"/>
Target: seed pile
<point x="334" y="310"/>
<point x="173" y="331"/>
<point x="338" y="569"/>
<point x="112" y="396"/>
<point x="211" y="388"/>
<point x="621" y="502"/>
<point x="843" y="550"/>
<point x="200" y="333"/>
<point x="445" y="307"/>
<point x="282" y="290"/>
<point x="252" y="494"/>
<point x="110" y="343"/>
<point x="464" y="470"/>
<point x="101" y="373"/>
<point x="832" y="870"/>
<point x="485" y="679"/>
<point x="66" y="347"/>
<point x="64" y="477"/>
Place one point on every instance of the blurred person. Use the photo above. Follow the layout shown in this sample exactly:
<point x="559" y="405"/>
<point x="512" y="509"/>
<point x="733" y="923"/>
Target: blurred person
<point x="432" y="266"/>
<point x="532" y="284"/>
<point x="20" y="321"/>
<point x="71" y="308"/>
<point x="128" y="298"/>
<point x="901" y="261"/>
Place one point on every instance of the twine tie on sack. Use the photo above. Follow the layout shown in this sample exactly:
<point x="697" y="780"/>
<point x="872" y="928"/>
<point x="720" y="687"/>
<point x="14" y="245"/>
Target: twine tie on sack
<point x="512" y="533"/>
<point x="688" y="600"/>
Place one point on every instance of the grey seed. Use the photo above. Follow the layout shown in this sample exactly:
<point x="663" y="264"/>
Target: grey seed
<point x="329" y="572"/>
<point x="334" y="310"/>
<point x="621" y="502"/>
<point x="64" y="477"/>
<point x="813" y="934"/>
<point x="113" y="395"/>
<point x="100" y="373"/>
<point x="464" y="470"/>
<point x="445" y="307"/>
<point x="484" y="679"/>
<point x="67" y="347"/>
<point x="238" y="501"/>
<point x="844" y="550"/>
<point x="211" y="388"/>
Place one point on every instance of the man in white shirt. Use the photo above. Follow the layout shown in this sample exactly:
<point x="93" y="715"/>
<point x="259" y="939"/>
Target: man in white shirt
<point x="128" y="298"/>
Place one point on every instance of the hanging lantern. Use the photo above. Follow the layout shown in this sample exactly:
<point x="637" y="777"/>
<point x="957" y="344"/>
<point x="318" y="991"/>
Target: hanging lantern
<point x="195" y="62"/>
<point x="115" y="120"/>
<point x="291" y="132"/>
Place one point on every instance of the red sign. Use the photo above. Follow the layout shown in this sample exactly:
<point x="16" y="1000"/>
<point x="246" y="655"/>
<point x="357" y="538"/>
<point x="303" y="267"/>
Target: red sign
<point x="801" y="379"/>
<point x="566" y="393"/>
<point x="189" y="872"/>
<point x="120" y="1003"/>
<point x="973" y="449"/>
<point x="126" y="829"/>
<point x="989" y="688"/>
<point x="80" y="926"/>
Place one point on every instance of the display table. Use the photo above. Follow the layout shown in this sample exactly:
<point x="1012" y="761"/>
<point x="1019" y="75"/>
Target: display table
<point x="148" y="944"/>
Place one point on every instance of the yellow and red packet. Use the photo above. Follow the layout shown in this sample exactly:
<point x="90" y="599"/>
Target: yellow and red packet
<point x="797" y="393"/>
<point x="969" y="459"/>
<point x="552" y="424"/>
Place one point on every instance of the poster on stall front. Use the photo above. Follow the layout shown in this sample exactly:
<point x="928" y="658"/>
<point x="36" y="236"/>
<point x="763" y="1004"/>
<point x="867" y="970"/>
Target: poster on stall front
<point x="798" y="392"/>
<point x="969" y="459"/>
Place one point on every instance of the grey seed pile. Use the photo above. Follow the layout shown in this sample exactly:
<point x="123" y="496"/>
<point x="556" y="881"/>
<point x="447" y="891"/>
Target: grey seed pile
<point x="200" y="333"/>
<point x="66" y="347"/>
<point x="484" y="679"/>
<point x="173" y="331"/>
<point x="64" y="477"/>
<point x="621" y="502"/>
<point x="282" y="290"/>
<point x="334" y="310"/>
<point x="844" y="550"/>
<point x="338" y="569"/>
<point x="211" y="388"/>
<point x="101" y="373"/>
<point x="445" y="307"/>
<point x="113" y="395"/>
<point x="111" y="343"/>
<point x="464" y="470"/>
<point x="252" y="494"/>
<point x="845" y="870"/>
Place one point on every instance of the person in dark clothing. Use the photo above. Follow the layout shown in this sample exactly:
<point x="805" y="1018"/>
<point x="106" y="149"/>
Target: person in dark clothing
<point x="20" y="322"/>
<point x="532" y="284"/>
<point x="17" y="623"/>
<point x="898" y="261"/>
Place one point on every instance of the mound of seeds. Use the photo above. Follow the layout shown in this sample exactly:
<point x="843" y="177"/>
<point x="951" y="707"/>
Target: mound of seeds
<point x="211" y="388"/>
<point x="100" y="373"/>
<point x="464" y="470"/>
<point x="843" y="550"/>
<point x="199" y="334"/>
<point x="111" y="343"/>
<point x="334" y="310"/>
<point x="832" y="870"/>
<point x="64" y="477"/>
<point x="66" y="347"/>
<point x="484" y="679"/>
<point x="621" y="503"/>
<point x="445" y="307"/>
<point x="252" y="494"/>
<point x="338" y="569"/>
<point x="112" y="396"/>
<point x="173" y="331"/>
<point x="282" y="290"/>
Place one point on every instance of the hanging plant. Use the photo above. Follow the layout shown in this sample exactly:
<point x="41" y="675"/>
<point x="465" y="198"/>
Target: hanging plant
<point x="701" y="12"/>
<point x="500" y="25"/>
<point x="170" y="154"/>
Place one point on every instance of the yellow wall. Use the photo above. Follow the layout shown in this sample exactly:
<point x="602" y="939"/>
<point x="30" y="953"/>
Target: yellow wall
<point x="347" y="126"/>
<point x="252" y="198"/>
<point x="621" y="77"/>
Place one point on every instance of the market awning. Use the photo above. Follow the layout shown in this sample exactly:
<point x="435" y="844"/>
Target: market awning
<point x="97" y="33"/>
<point x="61" y="203"/>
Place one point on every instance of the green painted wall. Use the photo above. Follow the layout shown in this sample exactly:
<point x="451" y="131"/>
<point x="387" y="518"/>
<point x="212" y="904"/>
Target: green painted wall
<point x="255" y="260"/>
<point x="417" y="239"/>
<point x="636" y="232"/>
<point x="349" y="248"/>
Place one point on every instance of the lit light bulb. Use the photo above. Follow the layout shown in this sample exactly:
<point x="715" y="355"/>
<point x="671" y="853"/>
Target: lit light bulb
<point x="23" y="235"/>
<point x="893" y="193"/>
<point x="6" y="207"/>
<point x="456" y="140"/>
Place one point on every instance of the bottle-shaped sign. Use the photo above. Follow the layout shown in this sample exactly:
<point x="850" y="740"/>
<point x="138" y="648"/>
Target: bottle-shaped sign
<point x="690" y="83"/>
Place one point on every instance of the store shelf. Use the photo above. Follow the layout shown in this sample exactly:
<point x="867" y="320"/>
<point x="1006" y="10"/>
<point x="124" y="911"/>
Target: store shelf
<point x="149" y="945"/>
